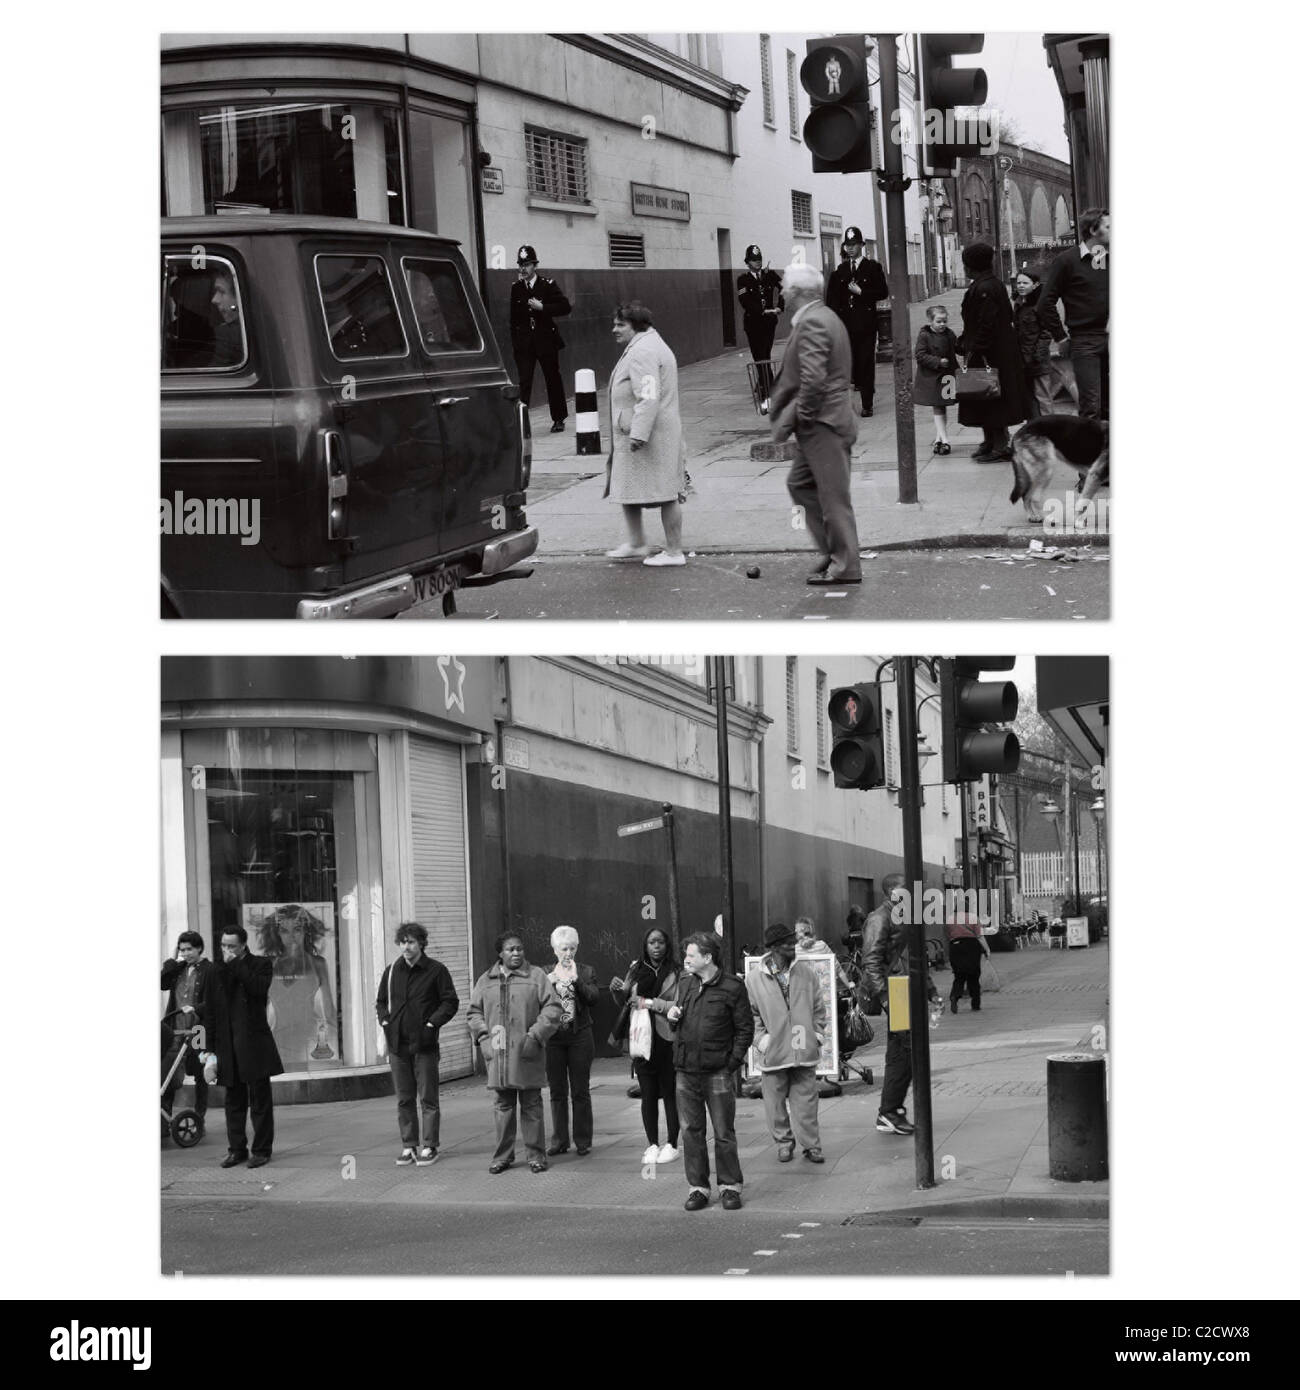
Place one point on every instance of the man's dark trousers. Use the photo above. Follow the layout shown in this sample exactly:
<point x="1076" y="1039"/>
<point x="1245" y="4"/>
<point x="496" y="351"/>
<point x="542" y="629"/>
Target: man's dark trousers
<point x="526" y="359"/>
<point x="416" y="1075"/>
<point x="568" y="1064"/>
<point x="761" y="334"/>
<point x="898" y="1071"/>
<point x="714" y="1091"/>
<point x="241" y="1097"/>
<point x="965" y="956"/>
<point x="1090" y="353"/>
<point x="863" y="342"/>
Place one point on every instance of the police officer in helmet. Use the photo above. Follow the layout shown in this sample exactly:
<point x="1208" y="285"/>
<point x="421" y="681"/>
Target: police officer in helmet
<point x="535" y="303"/>
<point x="761" y="301"/>
<point x="855" y="286"/>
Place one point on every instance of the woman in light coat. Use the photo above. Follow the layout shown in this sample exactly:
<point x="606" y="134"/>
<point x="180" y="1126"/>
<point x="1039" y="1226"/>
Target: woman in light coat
<point x="513" y="1011"/>
<point x="648" y="455"/>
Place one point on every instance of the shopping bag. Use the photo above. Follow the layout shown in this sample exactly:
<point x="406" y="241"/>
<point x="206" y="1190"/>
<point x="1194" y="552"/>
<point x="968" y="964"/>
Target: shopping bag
<point x="989" y="981"/>
<point x="640" y="1033"/>
<point x="978" y="384"/>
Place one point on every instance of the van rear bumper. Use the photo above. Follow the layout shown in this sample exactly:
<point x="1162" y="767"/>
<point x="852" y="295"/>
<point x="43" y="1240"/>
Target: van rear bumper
<point x="509" y="550"/>
<point x="397" y="593"/>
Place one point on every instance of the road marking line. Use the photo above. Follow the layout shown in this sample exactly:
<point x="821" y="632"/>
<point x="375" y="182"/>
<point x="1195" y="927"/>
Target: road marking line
<point x="791" y="1235"/>
<point x="815" y="617"/>
<point x="764" y="1252"/>
<point x="735" y="1271"/>
<point x="810" y="1225"/>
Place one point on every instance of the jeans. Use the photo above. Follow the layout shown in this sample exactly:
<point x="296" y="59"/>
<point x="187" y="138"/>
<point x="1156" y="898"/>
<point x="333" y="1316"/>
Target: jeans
<point x="529" y="1100"/>
<point x="241" y="1097"/>
<point x="568" y="1067"/>
<point x="790" y="1103"/>
<point x="658" y="1081"/>
<point x="414" y="1075"/>
<point x="898" y="1071"/>
<point x="1090" y="354"/>
<point x="698" y="1091"/>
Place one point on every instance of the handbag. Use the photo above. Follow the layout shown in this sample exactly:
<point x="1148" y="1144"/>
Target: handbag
<point x="978" y="384"/>
<point x="640" y="1032"/>
<point x="858" y="1031"/>
<point x="990" y="982"/>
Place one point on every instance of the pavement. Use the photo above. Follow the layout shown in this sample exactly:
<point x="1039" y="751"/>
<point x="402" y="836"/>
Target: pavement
<point x="989" y="1101"/>
<point x="741" y="505"/>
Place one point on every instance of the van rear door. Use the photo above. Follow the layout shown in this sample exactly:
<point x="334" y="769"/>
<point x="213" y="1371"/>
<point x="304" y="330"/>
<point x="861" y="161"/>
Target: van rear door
<point x="475" y="399"/>
<point x="384" y="460"/>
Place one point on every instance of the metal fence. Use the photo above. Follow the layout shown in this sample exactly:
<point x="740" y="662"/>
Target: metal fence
<point x="1049" y="874"/>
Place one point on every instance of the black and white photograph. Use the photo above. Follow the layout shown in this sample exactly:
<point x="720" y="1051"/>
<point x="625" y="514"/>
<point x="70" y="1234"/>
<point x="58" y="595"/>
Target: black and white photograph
<point x="652" y="326"/>
<point x="722" y="966"/>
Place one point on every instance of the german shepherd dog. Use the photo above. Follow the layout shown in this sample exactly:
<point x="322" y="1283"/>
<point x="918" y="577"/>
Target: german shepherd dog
<point x="1041" y="443"/>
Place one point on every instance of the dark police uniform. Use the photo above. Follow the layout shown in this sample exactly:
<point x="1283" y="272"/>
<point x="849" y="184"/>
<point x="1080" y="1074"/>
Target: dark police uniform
<point x="858" y="312"/>
<point x="534" y="337"/>
<point x="757" y="294"/>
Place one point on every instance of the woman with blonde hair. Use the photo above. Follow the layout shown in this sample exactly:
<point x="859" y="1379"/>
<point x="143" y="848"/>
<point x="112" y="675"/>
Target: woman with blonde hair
<point x="571" y="1047"/>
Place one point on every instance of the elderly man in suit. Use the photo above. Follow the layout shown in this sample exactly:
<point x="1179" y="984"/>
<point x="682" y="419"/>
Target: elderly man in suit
<point x="812" y="400"/>
<point x="247" y="1057"/>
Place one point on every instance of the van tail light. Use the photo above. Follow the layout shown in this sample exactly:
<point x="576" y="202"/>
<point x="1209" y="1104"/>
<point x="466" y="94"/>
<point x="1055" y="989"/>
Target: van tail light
<point x="526" y="436"/>
<point x="336" y="478"/>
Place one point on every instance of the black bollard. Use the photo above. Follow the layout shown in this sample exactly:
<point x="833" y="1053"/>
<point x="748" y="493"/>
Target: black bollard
<point x="1076" y="1117"/>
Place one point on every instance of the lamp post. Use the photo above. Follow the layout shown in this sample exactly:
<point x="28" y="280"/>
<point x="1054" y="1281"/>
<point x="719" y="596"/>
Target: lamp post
<point x="1049" y="807"/>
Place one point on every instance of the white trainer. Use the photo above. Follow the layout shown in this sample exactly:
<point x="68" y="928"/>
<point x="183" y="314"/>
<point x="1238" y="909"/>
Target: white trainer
<point x="627" y="551"/>
<point x="651" y="1155"/>
<point x="665" y="557"/>
<point x="666" y="1154"/>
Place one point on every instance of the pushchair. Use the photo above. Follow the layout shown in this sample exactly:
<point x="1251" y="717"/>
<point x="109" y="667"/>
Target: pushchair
<point x="184" y="1126"/>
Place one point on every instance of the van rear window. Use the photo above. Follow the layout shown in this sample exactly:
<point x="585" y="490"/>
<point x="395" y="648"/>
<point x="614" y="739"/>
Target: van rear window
<point x="442" y="310"/>
<point x="202" y="315"/>
<point x="360" y="313"/>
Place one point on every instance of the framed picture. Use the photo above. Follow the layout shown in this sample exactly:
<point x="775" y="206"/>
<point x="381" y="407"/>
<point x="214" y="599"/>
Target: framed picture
<point x="823" y="964"/>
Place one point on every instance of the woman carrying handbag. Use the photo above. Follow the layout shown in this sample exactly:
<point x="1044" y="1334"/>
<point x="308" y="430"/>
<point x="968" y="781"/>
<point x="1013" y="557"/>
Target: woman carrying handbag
<point x="988" y="340"/>
<point x="651" y="985"/>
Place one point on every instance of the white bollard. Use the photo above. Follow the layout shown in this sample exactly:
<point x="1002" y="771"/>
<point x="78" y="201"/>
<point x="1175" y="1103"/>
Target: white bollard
<point x="586" y="415"/>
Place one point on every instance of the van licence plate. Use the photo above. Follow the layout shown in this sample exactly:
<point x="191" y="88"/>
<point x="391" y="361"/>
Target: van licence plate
<point x="437" y="583"/>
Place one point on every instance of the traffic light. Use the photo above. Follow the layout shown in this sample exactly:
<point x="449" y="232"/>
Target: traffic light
<point x="946" y="137"/>
<point x="858" y="728"/>
<point x="838" y="128"/>
<point x="970" y="749"/>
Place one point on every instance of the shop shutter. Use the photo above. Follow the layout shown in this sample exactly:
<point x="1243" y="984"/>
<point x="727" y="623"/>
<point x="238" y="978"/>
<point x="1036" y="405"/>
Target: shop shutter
<point x="438" y="875"/>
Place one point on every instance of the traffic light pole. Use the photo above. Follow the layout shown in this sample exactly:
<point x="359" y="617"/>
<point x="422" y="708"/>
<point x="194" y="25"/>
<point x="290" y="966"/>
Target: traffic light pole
<point x="913" y="868"/>
<point x="724" y="815"/>
<point x="893" y="185"/>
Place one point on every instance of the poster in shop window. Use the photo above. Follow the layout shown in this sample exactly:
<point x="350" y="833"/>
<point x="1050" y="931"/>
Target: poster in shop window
<point x="823" y="964"/>
<point x="301" y="940"/>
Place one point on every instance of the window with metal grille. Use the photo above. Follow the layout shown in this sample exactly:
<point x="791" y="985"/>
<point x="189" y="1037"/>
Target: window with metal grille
<point x="792" y="705"/>
<point x="792" y="90"/>
<point x="765" y="61"/>
<point x="823" y="741"/>
<point x="557" y="166"/>
<point x="801" y="213"/>
<point x="891" y="753"/>
<point x="626" y="249"/>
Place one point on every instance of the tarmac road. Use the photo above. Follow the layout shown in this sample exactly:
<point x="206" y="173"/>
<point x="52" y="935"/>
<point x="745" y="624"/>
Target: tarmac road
<point x="904" y="584"/>
<point x="233" y="1236"/>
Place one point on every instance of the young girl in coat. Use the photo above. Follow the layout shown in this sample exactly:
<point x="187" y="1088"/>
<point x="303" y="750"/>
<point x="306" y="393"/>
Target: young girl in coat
<point x="936" y="361"/>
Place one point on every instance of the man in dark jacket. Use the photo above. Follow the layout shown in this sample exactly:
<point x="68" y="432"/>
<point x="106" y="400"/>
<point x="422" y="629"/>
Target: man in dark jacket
<point x="714" y="1028"/>
<point x="186" y="978"/>
<point x="856" y="285"/>
<point x="247" y="1057"/>
<point x="1080" y="279"/>
<point x="535" y="304"/>
<point x="416" y="997"/>
<point x="886" y="936"/>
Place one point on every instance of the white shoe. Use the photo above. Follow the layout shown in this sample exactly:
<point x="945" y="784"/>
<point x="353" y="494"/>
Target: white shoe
<point x="666" y="1154"/>
<point x="627" y="551"/>
<point x="764" y="407"/>
<point x="665" y="557"/>
<point x="651" y="1155"/>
